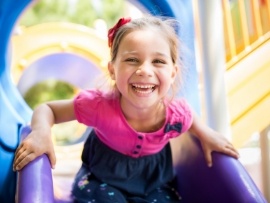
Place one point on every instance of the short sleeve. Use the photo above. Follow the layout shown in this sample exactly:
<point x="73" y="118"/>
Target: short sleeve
<point x="180" y="117"/>
<point x="186" y="111"/>
<point x="86" y="105"/>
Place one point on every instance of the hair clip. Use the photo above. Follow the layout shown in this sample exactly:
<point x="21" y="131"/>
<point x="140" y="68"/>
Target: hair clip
<point x="113" y="30"/>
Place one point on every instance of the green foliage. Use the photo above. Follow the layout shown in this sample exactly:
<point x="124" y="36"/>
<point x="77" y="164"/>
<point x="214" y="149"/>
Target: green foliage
<point x="48" y="90"/>
<point x="83" y="12"/>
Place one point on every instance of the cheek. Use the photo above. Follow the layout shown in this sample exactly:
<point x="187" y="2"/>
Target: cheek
<point x="166" y="80"/>
<point x="166" y="75"/>
<point x="121" y="79"/>
<point x="124" y="74"/>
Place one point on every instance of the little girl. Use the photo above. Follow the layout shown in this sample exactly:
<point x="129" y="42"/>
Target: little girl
<point x="127" y="156"/>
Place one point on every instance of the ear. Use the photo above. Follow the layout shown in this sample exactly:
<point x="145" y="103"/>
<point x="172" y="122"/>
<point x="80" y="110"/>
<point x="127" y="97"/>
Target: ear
<point x="111" y="70"/>
<point x="174" y="72"/>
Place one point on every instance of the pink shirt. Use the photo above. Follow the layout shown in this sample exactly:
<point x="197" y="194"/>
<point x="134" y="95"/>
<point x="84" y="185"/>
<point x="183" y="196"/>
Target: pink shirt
<point x="103" y="113"/>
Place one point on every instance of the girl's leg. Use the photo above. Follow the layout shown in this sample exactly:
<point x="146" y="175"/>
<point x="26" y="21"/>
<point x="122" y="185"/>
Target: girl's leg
<point x="87" y="189"/>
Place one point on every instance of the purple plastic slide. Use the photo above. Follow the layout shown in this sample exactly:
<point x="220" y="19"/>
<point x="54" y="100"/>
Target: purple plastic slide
<point x="226" y="181"/>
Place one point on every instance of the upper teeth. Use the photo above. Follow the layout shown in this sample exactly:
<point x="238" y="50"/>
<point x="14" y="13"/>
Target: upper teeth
<point x="143" y="86"/>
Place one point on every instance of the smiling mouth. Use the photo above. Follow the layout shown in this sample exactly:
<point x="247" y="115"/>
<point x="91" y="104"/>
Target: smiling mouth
<point x="143" y="89"/>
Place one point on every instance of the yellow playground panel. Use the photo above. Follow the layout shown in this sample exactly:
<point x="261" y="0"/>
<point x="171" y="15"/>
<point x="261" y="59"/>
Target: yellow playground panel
<point x="35" y="42"/>
<point x="248" y="92"/>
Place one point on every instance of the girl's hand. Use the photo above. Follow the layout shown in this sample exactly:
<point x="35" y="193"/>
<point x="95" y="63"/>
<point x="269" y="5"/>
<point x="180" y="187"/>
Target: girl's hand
<point x="39" y="140"/>
<point x="214" y="141"/>
<point x="35" y="144"/>
<point x="211" y="140"/>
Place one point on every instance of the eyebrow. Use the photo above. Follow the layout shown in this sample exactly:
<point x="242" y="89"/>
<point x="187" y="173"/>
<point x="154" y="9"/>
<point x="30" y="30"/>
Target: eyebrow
<point x="137" y="53"/>
<point x="129" y="52"/>
<point x="162" y="54"/>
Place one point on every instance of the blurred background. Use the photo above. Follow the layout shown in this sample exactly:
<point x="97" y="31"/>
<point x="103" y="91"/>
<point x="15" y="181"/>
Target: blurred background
<point x="60" y="47"/>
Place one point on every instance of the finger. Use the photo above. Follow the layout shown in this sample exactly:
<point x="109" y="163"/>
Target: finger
<point x="52" y="158"/>
<point x="19" y="156"/>
<point x="24" y="161"/>
<point x="19" y="150"/>
<point x="230" y="150"/>
<point x="231" y="147"/>
<point x="208" y="158"/>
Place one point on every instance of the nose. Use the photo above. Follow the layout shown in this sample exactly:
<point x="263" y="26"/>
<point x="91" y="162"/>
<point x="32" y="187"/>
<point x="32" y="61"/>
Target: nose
<point x="145" y="69"/>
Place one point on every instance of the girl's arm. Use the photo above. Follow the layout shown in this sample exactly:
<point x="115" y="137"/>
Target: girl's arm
<point x="211" y="140"/>
<point x="39" y="141"/>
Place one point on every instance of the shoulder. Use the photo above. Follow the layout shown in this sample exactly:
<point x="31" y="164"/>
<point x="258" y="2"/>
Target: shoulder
<point x="90" y="106"/>
<point x="179" y="112"/>
<point x="92" y="96"/>
<point x="178" y="106"/>
<point x="89" y="94"/>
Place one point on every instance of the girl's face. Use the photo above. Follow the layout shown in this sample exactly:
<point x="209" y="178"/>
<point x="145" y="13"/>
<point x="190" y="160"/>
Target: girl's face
<point x="143" y="69"/>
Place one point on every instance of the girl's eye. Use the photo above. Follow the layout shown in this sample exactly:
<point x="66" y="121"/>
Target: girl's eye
<point x="133" y="60"/>
<point x="159" y="61"/>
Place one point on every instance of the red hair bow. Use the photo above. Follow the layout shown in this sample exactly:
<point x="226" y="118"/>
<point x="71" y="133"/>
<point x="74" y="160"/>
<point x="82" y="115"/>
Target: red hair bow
<point x="113" y="30"/>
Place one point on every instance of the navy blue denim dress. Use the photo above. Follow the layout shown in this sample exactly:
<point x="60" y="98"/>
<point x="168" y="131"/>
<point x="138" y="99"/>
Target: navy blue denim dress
<point x="109" y="176"/>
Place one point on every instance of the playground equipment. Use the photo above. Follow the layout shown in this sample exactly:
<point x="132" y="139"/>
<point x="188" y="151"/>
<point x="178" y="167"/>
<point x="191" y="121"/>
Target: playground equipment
<point x="64" y="51"/>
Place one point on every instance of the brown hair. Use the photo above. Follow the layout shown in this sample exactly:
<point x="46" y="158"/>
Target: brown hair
<point x="166" y="27"/>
